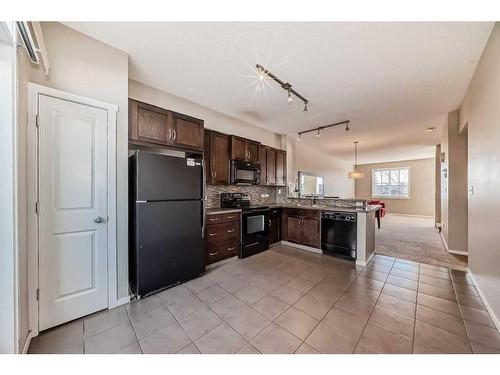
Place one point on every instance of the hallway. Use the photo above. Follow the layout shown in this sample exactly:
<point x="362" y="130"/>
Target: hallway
<point x="416" y="239"/>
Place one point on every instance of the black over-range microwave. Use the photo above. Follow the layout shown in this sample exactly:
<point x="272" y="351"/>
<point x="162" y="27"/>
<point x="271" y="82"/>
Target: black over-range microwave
<point x="245" y="173"/>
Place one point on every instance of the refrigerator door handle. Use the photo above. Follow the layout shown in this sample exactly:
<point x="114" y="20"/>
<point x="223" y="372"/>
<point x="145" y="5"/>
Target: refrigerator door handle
<point x="204" y="200"/>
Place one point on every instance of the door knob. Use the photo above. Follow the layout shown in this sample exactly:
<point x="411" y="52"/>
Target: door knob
<point x="99" y="220"/>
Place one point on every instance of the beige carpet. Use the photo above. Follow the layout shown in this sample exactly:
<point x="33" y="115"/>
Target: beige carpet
<point x="416" y="239"/>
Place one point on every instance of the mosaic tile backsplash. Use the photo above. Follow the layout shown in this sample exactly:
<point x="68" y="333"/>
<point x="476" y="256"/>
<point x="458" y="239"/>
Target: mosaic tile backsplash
<point x="275" y="195"/>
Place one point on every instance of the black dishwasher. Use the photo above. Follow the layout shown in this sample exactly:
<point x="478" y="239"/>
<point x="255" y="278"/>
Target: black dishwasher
<point x="338" y="234"/>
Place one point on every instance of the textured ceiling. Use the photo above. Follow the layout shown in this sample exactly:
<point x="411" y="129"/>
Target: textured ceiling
<point x="392" y="80"/>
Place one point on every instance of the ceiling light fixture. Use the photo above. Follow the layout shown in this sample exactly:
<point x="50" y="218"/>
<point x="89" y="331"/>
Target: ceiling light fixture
<point x="428" y="130"/>
<point x="319" y="128"/>
<point x="354" y="174"/>
<point x="262" y="72"/>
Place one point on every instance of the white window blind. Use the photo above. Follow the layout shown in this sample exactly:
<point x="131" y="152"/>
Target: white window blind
<point x="391" y="182"/>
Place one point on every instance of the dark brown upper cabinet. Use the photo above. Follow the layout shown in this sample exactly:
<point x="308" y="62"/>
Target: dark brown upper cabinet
<point x="187" y="132"/>
<point x="263" y="164"/>
<point x="149" y="124"/>
<point x="216" y="157"/>
<point x="280" y="168"/>
<point x="244" y="149"/>
<point x="273" y="166"/>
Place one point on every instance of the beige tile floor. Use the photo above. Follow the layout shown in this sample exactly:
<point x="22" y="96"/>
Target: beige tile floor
<point x="291" y="301"/>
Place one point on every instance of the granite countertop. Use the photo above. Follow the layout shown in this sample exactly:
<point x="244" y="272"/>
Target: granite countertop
<point x="215" y="211"/>
<point x="369" y="208"/>
<point x="318" y="207"/>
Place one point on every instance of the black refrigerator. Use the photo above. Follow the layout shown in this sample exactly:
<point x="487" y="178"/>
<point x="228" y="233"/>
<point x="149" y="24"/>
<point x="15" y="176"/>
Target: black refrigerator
<point x="166" y="221"/>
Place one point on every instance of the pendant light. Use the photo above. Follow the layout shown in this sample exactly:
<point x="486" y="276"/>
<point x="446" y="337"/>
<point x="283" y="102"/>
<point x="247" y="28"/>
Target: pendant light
<point x="355" y="174"/>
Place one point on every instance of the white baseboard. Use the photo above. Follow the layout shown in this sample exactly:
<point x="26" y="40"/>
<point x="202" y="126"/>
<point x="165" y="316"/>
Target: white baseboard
<point x="451" y="251"/>
<point x="27" y="343"/>
<point x="409" y="215"/>
<point x="364" y="264"/>
<point x="302" y="247"/>
<point x="121" y="301"/>
<point x="485" y="301"/>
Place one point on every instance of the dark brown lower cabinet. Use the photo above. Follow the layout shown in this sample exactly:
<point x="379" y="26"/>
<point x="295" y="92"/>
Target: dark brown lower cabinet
<point x="310" y="232"/>
<point x="302" y="227"/>
<point x="222" y="236"/>
<point x="275" y="225"/>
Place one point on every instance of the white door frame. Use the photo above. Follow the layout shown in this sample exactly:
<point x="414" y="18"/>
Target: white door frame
<point x="34" y="91"/>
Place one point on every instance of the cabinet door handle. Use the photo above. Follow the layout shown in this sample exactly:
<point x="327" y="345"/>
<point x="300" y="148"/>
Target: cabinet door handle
<point x="212" y="234"/>
<point x="212" y="254"/>
<point x="230" y="248"/>
<point x="230" y="217"/>
<point x="230" y="230"/>
<point x="213" y="219"/>
<point x="169" y="133"/>
<point x="175" y="134"/>
<point x="270" y="223"/>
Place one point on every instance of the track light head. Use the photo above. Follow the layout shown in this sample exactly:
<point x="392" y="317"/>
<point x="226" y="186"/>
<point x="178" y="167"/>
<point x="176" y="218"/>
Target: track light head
<point x="318" y="133"/>
<point x="290" y="98"/>
<point x="300" y="136"/>
<point x="347" y="127"/>
<point x="305" y="108"/>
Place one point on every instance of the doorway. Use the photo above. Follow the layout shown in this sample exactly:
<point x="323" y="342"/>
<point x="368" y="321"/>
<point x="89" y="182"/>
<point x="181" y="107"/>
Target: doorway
<point x="72" y="228"/>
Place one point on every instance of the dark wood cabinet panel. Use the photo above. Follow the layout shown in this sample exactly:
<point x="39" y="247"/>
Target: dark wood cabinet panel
<point x="280" y="168"/>
<point x="263" y="165"/>
<point x="153" y="125"/>
<point x="294" y="229"/>
<point x="253" y="149"/>
<point x="207" y="155"/>
<point x="301" y="226"/>
<point x="244" y="149"/>
<point x="275" y="225"/>
<point x="187" y="132"/>
<point x="219" y="158"/>
<point x="238" y="148"/>
<point x="311" y="232"/>
<point x="222" y="236"/>
<point x="271" y="166"/>
<point x="148" y="123"/>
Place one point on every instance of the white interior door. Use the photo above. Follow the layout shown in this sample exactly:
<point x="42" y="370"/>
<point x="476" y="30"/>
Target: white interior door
<point x="72" y="210"/>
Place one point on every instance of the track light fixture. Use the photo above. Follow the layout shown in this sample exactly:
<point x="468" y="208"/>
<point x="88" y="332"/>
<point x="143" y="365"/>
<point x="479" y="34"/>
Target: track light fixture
<point x="318" y="129"/>
<point x="263" y="72"/>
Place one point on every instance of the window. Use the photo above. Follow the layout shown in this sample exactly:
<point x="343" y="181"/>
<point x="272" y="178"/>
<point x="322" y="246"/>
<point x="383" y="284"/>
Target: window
<point x="391" y="182"/>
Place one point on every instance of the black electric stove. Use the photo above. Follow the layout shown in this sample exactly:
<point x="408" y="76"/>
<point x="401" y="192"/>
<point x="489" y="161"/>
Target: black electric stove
<point x="255" y="223"/>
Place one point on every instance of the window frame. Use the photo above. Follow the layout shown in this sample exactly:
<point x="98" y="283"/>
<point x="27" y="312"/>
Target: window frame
<point x="381" y="196"/>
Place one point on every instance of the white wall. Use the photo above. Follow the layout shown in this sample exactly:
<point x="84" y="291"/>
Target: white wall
<point x="454" y="185"/>
<point x="334" y="171"/>
<point x="8" y="274"/>
<point x="87" y="67"/>
<point x="213" y="120"/>
<point x="422" y="187"/>
<point x="480" y="110"/>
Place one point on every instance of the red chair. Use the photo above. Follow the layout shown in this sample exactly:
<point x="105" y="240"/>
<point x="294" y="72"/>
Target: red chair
<point x="380" y="212"/>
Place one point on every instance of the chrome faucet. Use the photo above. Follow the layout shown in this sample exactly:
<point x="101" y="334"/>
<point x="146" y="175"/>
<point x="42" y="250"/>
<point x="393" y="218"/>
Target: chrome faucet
<point x="313" y="199"/>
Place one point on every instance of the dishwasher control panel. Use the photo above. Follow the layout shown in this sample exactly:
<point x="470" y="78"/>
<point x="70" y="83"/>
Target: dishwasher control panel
<point x="342" y="216"/>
